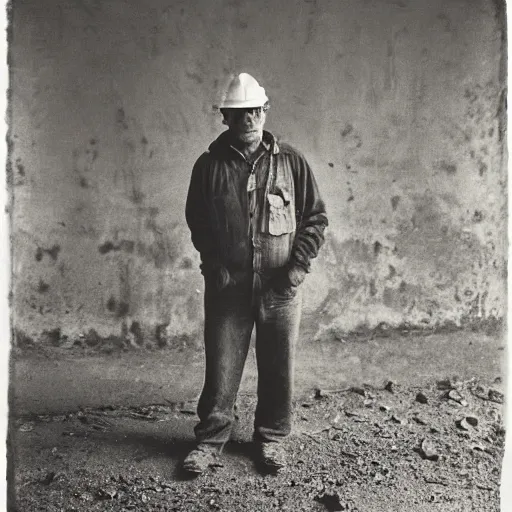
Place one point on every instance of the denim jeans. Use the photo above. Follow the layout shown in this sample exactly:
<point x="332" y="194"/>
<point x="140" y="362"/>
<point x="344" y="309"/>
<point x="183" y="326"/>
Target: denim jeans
<point x="230" y="316"/>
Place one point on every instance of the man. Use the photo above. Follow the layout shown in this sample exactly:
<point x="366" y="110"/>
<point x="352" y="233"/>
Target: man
<point x="257" y="219"/>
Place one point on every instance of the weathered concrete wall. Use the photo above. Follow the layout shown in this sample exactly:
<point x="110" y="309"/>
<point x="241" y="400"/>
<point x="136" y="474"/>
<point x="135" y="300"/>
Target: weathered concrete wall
<point x="398" y="105"/>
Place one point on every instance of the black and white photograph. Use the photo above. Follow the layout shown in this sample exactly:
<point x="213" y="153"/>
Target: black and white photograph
<point x="257" y="256"/>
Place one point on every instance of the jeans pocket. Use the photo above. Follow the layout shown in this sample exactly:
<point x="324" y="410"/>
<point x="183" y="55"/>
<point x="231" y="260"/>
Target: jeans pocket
<point x="283" y="294"/>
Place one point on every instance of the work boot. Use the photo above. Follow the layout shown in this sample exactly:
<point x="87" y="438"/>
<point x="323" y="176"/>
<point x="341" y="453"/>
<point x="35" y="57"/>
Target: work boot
<point x="201" y="458"/>
<point x="272" y="455"/>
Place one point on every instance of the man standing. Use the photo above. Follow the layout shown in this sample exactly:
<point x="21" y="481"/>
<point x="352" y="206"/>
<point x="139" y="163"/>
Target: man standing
<point x="257" y="219"/>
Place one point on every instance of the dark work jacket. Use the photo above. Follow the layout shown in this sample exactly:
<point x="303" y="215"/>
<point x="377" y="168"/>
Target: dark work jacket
<point x="277" y="222"/>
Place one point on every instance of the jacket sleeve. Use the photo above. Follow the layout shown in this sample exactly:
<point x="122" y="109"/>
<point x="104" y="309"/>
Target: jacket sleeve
<point x="311" y="221"/>
<point x="197" y="214"/>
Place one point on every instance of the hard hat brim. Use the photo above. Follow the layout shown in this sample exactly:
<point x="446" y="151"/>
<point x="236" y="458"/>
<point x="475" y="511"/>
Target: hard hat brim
<point x="244" y="104"/>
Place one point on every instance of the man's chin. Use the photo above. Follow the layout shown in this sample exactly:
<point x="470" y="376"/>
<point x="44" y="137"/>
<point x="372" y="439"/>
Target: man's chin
<point x="249" y="137"/>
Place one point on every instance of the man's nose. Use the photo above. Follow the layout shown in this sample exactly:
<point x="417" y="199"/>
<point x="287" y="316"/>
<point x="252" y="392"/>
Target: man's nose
<point x="249" y="115"/>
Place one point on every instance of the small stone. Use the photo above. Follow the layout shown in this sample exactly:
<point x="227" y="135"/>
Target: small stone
<point x="399" y="420"/>
<point x="144" y="498"/>
<point x="378" y="478"/>
<point x="335" y="435"/>
<point x="421" y="398"/>
<point x="358" y="390"/>
<point x="394" y="448"/>
<point x="331" y="501"/>
<point x="457" y="397"/>
<point x="495" y="396"/>
<point x="49" y="478"/>
<point x="320" y="393"/>
<point x="389" y="386"/>
<point x="463" y="424"/>
<point x="445" y="384"/>
<point x="106" y="494"/>
<point x="428" y="451"/>
<point x="384" y="408"/>
<point x="472" y="420"/>
<point x="351" y="413"/>
<point x="419" y="420"/>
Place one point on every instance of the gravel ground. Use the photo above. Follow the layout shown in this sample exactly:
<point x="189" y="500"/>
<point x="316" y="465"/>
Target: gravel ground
<point x="367" y="449"/>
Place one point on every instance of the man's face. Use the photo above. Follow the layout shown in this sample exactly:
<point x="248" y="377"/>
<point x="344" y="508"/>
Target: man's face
<point x="246" y="124"/>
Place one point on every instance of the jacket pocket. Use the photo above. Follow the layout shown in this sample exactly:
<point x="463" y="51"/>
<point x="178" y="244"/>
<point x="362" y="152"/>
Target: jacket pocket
<point x="281" y="218"/>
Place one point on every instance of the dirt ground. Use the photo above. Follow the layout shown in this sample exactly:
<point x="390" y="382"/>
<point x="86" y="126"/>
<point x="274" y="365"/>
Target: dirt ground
<point x="434" y="447"/>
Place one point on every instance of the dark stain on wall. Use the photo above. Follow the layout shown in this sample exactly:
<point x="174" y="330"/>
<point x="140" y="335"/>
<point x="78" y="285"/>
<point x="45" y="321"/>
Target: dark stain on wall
<point x="186" y="263"/>
<point x="162" y="336"/>
<point x="20" y="167"/>
<point x="122" y="309"/>
<point x="53" y="336"/>
<point x="106" y="247"/>
<point x="347" y="130"/>
<point x="394" y="202"/>
<point x="136" y="330"/>
<point x="53" y="252"/>
<point x="124" y="245"/>
<point x="136" y="196"/>
<point x="160" y="251"/>
<point x="111" y="304"/>
<point x="42" y="287"/>
<point x="448" y="168"/>
<point x="377" y="248"/>
<point x="478" y="216"/>
<point x="121" y="118"/>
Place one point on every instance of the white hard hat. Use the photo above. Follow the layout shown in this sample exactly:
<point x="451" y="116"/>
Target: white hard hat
<point x="244" y="92"/>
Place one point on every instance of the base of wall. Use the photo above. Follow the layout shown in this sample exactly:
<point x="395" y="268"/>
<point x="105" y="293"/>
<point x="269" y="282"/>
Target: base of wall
<point x="53" y="379"/>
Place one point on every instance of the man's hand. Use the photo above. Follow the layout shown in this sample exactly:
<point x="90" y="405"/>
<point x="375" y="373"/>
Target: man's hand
<point x="290" y="277"/>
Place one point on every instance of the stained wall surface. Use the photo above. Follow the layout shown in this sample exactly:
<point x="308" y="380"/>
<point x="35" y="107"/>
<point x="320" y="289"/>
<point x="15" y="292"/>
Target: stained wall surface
<point x="399" y="106"/>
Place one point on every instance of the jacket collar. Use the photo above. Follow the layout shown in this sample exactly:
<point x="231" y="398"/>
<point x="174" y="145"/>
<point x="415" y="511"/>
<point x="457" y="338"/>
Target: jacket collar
<point x="223" y="143"/>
